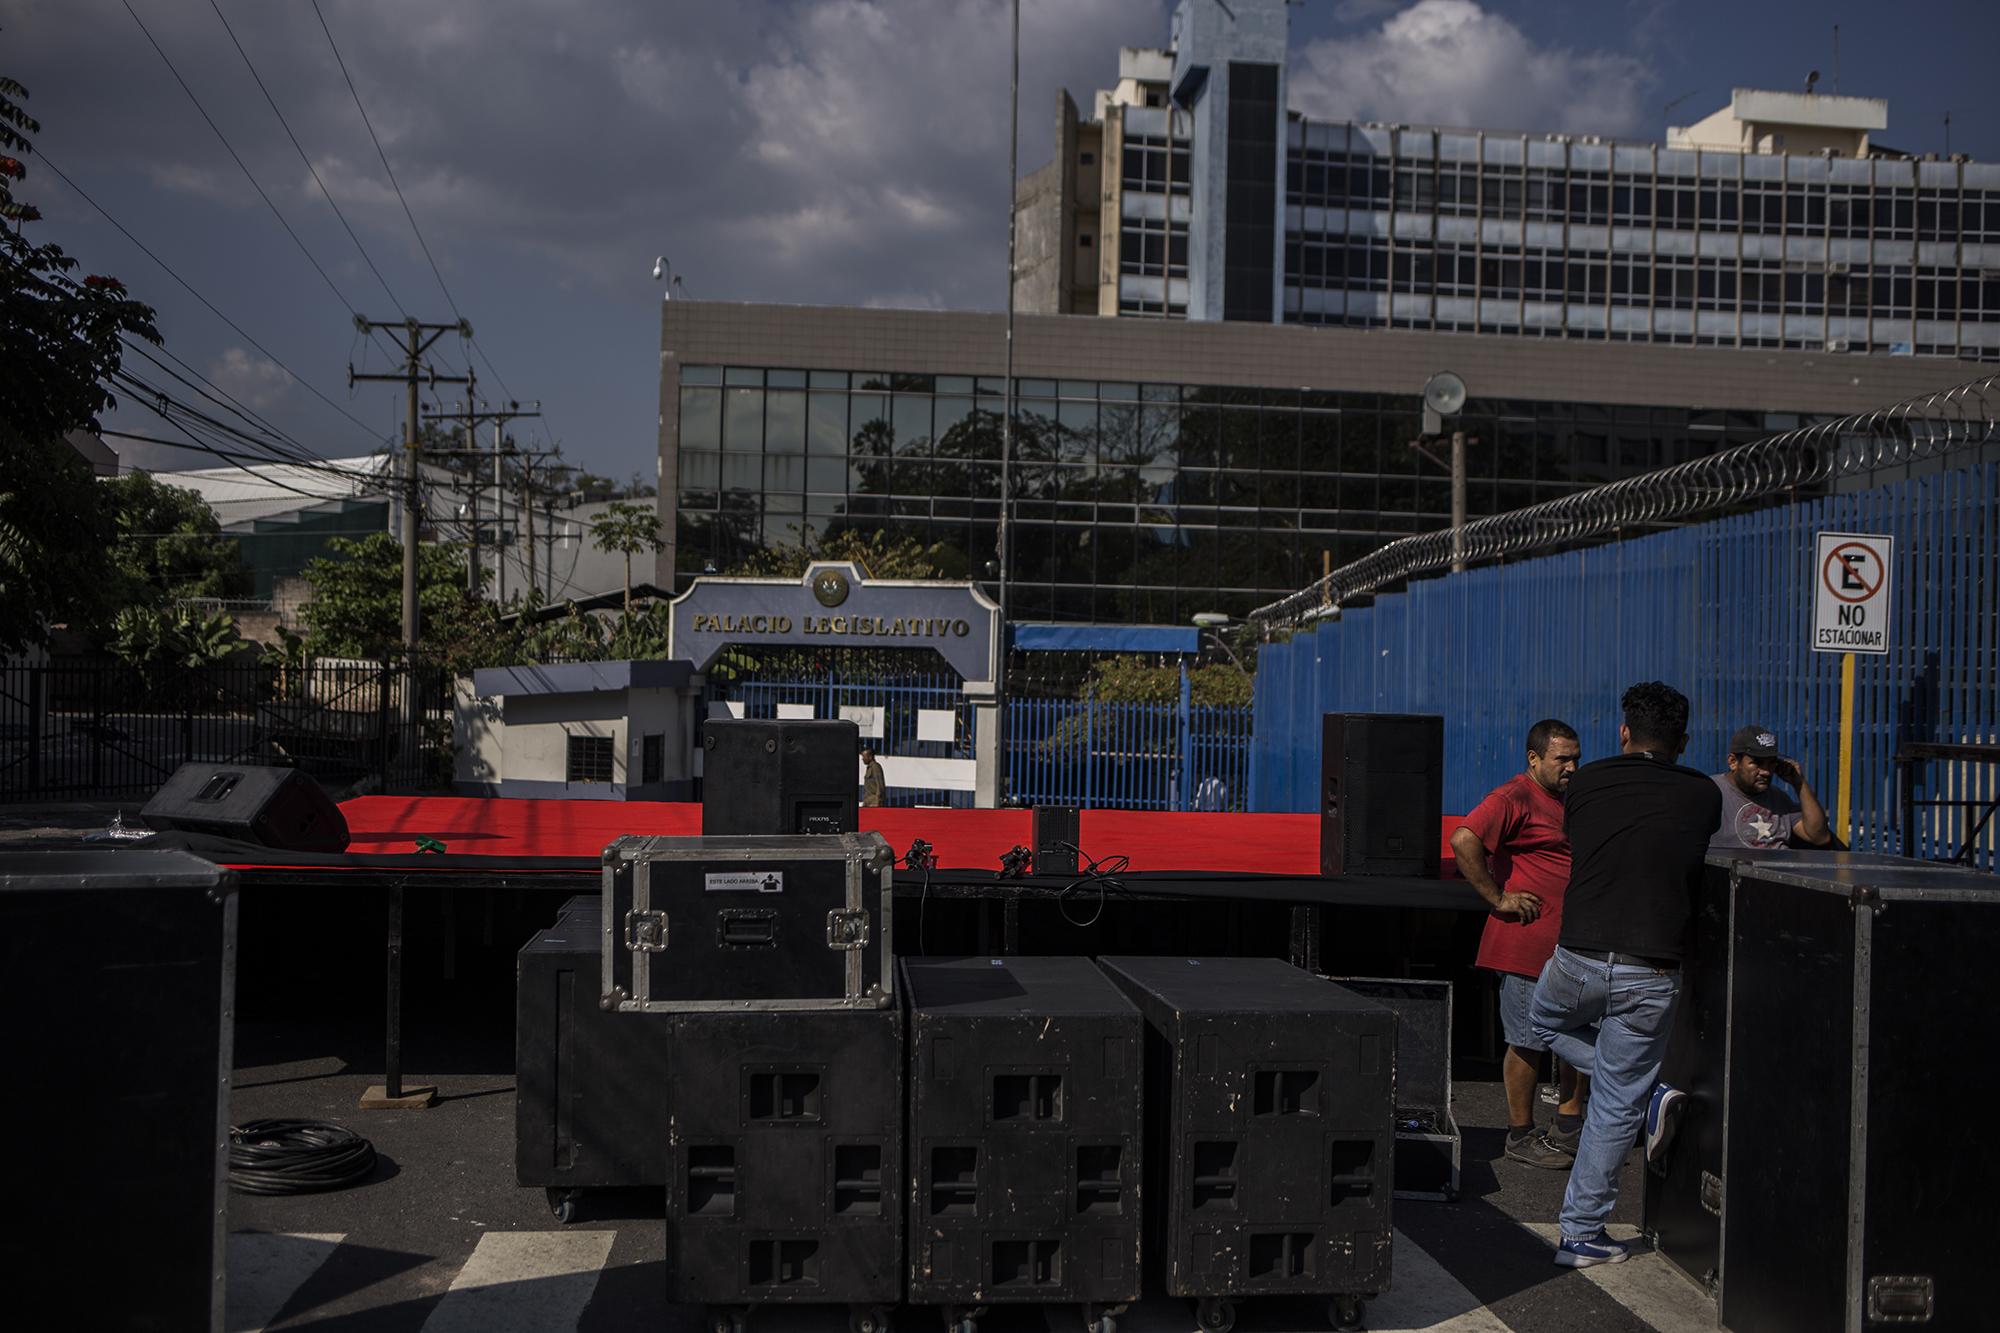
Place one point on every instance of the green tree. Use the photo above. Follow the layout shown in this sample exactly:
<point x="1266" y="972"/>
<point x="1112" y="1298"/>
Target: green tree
<point x="163" y="640"/>
<point x="629" y="529"/>
<point x="169" y="544"/>
<point x="59" y="345"/>
<point x="356" y="607"/>
<point x="882" y="555"/>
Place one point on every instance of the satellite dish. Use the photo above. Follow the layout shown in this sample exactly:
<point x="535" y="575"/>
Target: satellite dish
<point x="1444" y="393"/>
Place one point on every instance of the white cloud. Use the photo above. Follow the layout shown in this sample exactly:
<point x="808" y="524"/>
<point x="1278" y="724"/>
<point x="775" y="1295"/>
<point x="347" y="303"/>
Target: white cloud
<point x="1451" y="62"/>
<point x="257" y="383"/>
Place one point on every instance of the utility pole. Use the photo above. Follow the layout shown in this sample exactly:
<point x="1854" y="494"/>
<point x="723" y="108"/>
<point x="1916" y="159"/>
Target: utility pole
<point x="499" y="416"/>
<point x="418" y="337"/>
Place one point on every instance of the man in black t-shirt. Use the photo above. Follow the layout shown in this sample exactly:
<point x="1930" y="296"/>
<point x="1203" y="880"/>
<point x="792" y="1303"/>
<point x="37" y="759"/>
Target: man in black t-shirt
<point x="1639" y="826"/>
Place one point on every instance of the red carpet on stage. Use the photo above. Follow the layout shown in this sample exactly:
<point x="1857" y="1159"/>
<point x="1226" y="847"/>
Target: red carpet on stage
<point x="1285" y="844"/>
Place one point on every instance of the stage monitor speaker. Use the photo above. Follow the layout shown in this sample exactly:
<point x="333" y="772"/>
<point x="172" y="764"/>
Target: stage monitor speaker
<point x="1056" y="839"/>
<point x="272" y="807"/>
<point x="1381" y="794"/>
<point x="763" y="777"/>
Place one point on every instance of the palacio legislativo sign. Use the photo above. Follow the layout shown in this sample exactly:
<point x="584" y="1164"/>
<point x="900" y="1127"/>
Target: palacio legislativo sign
<point x="838" y="603"/>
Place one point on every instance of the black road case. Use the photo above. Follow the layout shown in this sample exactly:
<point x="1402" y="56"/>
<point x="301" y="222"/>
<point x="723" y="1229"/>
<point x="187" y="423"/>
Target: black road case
<point x="1428" y="1144"/>
<point x="786" y="1133"/>
<point x="118" y="978"/>
<point x="590" y="1086"/>
<point x="1025" y="1131"/>
<point x="790" y="775"/>
<point x="1269" y="1136"/>
<point x="1857" y="1189"/>
<point x="799" y="921"/>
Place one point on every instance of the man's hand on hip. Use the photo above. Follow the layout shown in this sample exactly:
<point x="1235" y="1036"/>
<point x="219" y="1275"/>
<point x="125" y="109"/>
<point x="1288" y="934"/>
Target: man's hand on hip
<point x="1526" y="906"/>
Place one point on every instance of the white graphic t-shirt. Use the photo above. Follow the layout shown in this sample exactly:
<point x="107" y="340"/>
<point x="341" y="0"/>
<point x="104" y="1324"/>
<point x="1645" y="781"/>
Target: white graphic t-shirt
<point x="1764" y="821"/>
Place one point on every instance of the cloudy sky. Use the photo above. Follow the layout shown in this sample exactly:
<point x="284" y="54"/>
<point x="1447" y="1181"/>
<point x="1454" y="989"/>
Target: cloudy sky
<point x="817" y="151"/>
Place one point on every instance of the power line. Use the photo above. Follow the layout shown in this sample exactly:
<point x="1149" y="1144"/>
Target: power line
<point x="164" y="405"/>
<point x="338" y="295"/>
<point x="208" y="304"/>
<point x="356" y="94"/>
<point x="218" y="395"/>
<point x="303" y="157"/>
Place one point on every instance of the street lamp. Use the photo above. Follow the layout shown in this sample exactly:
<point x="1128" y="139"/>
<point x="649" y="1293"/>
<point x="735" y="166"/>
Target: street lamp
<point x="1215" y="622"/>
<point x="662" y="269"/>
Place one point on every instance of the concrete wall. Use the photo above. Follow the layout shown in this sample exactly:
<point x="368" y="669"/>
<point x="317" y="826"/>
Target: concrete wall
<point x="1039" y="240"/>
<point x="518" y="745"/>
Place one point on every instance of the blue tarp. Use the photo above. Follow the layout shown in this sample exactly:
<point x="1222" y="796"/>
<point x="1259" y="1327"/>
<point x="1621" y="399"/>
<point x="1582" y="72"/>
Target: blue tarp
<point x="1106" y="638"/>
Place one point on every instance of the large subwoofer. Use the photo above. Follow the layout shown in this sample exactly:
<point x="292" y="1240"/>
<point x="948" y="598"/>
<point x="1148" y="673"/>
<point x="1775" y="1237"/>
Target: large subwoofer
<point x="1381" y="794"/>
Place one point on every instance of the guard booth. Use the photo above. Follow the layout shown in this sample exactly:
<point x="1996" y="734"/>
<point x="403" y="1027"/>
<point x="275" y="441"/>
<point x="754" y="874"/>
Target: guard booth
<point x="912" y="663"/>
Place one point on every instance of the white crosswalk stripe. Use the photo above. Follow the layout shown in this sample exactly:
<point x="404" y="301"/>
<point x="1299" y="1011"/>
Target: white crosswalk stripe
<point x="525" y="1280"/>
<point x="1646" y="1284"/>
<point x="264" y="1269"/>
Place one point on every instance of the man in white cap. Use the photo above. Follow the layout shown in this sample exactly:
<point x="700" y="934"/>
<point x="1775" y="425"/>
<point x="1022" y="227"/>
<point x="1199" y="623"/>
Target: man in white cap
<point x="1756" y="814"/>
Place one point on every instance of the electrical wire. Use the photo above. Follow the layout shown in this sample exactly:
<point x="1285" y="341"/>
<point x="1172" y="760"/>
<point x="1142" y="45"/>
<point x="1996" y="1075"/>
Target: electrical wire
<point x="206" y="303"/>
<point x="164" y="405"/>
<point x="215" y="394"/>
<point x="296" y="1157"/>
<point x="237" y="158"/>
<point x="1102" y="875"/>
<point x="303" y="157"/>
<point x="356" y="94"/>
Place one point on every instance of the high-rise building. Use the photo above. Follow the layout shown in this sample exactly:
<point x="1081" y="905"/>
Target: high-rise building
<point x="1780" y="221"/>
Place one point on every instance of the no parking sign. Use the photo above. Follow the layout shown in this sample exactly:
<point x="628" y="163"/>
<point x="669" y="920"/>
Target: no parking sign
<point x="1851" y="593"/>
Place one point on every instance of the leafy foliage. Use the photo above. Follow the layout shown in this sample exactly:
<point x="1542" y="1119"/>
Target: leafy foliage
<point x="59" y="344"/>
<point x="356" y="608"/>
<point x="1138" y="680"/>
<point x="882" y="555"/>
<point x="169" y="544"/>
<point x="161" y="640"/>
<point x="628" y="529"/>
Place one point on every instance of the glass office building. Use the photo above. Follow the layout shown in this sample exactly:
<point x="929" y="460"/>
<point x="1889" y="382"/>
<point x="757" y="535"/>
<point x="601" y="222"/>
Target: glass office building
<point x="1133" y="502"/>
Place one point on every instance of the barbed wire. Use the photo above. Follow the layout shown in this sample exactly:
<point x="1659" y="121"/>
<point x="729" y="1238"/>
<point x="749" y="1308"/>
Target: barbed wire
<point x="1922" y="427"/>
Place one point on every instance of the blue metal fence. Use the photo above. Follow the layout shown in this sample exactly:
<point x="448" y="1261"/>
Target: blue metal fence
<point x="1129" y="756"/>
<point x="1722" y="610"/>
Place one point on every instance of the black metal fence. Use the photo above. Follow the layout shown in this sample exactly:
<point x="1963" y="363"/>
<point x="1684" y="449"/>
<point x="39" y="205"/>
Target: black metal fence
<point x="107" y="731"/>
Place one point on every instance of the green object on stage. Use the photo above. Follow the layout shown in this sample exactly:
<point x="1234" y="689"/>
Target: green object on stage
<point x="429" y="845"/>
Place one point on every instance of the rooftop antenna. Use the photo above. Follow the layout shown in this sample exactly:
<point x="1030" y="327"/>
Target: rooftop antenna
<point x="1836" y="60"/>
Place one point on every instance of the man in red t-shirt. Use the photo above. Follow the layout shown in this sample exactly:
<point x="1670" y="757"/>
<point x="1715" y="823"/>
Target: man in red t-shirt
<point x="1512" y="848"/>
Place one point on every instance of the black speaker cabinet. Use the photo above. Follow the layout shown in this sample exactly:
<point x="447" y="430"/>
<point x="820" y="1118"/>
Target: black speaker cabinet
<point x="591" y="1085"/>
<point x="1857" y="1020"/>
<point x="273" y="807"/>
<point x="761" y="777"/>
<point x="1025" y="1127"/>
<point x="1381" y="794"/>
<point x="117" y="973"/>
<point x="1270" y="1114"/>
<point x="1056" y="838"/>
<point x="786" y="1136"/>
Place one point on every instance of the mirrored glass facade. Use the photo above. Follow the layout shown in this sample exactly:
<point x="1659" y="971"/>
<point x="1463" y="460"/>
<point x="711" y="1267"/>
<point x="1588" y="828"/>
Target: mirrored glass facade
<point x="1140" y="502"/>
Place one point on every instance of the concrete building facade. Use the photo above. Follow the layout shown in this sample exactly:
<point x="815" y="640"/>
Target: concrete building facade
<point x="1779" y="222"/>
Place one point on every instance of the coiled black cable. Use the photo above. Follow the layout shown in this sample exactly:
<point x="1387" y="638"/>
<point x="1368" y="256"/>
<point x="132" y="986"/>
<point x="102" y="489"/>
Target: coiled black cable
<point x="296" y="1157"/>
<point x="1102" y="874"/>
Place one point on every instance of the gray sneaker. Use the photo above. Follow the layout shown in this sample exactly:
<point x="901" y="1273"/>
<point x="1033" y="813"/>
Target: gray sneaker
<point x="1563" y="1141"/>
<point x="1534" y="1150"/>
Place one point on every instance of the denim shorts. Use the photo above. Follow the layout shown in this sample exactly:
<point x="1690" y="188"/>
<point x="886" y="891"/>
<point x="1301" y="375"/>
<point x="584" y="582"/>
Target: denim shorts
<point x="1516" y="994"/>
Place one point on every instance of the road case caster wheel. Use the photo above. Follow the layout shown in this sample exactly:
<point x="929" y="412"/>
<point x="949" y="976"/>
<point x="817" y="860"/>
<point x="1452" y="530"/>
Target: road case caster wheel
<point x="1101" y="1320"/>
<point x="563" y="1204"/>
<point x="1215" y="1315"/>
<point x="1345" y="1312"/>
<point x="867" y="1319"/>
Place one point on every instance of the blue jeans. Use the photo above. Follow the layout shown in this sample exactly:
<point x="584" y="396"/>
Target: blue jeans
<point x="1610" y="1022"/>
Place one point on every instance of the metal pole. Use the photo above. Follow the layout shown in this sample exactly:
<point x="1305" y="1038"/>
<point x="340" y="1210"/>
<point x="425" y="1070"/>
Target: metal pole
<point x="1003" y="544"/>
<point x="499" y="518"/>
<point x="392" y="1054"/>
<point x="412" y="497"/>
<point x="1457" y="502"/>
<point x="472" y="571"/>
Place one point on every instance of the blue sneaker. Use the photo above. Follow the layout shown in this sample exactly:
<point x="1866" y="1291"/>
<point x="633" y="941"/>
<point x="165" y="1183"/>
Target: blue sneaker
<point x="1663" y="1116"/>
<point x="1599" y="1249"/>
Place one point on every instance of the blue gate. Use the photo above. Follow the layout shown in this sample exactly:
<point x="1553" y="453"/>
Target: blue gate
<point x="1721" y="610"/>
<point x="1129" y="756"/>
